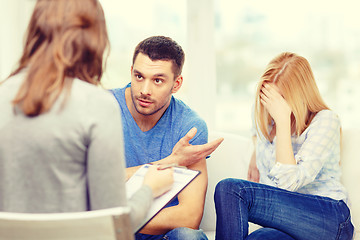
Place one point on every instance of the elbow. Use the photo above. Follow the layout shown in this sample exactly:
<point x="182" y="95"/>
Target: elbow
<point x="191" y="220"/>
<point x="290" y="184"/>
<point x="293" y="187"/>
<point x="195" y="221"/>
<point x="295" y="183"/>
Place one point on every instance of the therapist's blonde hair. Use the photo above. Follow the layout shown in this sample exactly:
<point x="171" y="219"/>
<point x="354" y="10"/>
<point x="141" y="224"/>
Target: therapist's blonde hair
<point x="293" y="76"/>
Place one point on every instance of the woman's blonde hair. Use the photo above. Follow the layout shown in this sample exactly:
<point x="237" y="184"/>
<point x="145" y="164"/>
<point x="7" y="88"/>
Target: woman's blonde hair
<point x="293" y="76"/>
<point x="65" y="39"/>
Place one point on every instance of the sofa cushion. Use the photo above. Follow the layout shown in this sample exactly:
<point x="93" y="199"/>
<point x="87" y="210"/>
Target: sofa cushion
<point x="230" y="160"/>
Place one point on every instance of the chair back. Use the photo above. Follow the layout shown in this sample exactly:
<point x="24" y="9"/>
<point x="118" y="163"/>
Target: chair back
<point x="105" y="224"/>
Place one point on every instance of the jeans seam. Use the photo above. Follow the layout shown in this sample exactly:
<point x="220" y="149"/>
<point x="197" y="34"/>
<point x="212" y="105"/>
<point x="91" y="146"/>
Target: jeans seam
<point x="341" y="227"/>
<point x="277" y="189"/>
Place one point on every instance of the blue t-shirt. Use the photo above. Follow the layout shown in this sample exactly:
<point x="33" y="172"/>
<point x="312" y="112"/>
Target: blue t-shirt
<point x="157" y="143"/>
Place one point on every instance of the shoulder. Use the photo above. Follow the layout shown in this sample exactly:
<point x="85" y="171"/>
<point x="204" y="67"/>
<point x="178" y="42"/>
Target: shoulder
<point x="117" y="91"/>
<point x="119" y="94"/>
<point x="324" y="122"/>
<point x="326" y="118"/>
<point x="92" y="97"/>
<point x="87" y="89"/>
<point x="182" y="109"/>
<point x="187" y="118"/>
<point x="185" y="113"/>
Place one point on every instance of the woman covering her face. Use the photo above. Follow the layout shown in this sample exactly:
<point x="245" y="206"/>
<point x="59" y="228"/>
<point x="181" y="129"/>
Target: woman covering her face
<point x="294" y="189"/>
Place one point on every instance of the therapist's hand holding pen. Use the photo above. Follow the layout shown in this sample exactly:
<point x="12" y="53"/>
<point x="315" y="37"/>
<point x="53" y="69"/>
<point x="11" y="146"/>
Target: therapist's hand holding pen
<point x="159" y="180"/>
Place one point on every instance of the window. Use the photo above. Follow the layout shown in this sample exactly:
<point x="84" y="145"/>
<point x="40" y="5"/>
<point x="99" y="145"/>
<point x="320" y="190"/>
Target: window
<point x="248" y="34"/>
<point x="131" y="22"/>
<point x="228" y="44"/>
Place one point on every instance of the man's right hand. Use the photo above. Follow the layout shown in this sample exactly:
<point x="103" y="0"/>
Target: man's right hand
<point x="185" y="154"/>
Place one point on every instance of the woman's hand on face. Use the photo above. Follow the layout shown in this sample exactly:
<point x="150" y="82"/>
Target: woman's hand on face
<point x="275" y="103"/>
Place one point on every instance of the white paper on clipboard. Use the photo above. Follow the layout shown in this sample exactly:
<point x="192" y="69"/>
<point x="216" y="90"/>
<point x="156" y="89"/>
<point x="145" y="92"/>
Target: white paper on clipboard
<point x="182" y="177"/>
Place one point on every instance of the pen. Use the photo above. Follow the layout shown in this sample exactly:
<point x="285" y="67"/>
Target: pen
<point x="166" y="166"/>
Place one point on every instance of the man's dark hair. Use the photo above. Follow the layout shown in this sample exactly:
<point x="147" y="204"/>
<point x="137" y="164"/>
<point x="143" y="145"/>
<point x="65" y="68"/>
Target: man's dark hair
<point x="162" y="48"/>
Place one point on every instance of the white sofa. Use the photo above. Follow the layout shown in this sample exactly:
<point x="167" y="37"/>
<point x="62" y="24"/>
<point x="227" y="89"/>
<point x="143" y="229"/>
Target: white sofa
<point x="231" y="160"/>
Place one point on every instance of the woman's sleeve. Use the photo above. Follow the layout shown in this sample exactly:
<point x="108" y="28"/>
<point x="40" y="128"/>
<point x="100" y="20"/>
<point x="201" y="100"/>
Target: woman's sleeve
<point x="106" y="165"/>
<point x="321" y="143"/>
<point x="140" y="203"/>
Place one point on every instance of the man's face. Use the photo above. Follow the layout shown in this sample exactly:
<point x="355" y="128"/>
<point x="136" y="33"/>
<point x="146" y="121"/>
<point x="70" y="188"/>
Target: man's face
<point x="152" y="84"/>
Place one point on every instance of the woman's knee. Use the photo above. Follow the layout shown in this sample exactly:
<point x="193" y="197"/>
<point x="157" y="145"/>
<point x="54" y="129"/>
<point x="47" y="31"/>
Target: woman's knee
<point x="222" y="189"/>
<point x="268" y="234"/>
<point x="228" y="185"/>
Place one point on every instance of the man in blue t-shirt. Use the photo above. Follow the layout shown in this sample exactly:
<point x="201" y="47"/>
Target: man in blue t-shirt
<point x="161" y="129"/>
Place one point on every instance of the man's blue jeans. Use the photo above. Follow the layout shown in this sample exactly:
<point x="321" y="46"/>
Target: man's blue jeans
<point x="283" y="214"/>
<point x="175" y="234"/>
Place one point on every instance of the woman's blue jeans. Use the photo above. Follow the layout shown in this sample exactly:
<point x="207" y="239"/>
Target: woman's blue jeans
<point x="283" y="214"/>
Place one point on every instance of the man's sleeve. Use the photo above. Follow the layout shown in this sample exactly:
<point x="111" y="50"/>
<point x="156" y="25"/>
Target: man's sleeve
<point x="201" y="136"/>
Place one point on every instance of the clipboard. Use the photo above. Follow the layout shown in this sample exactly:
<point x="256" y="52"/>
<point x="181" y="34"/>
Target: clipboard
<point x="182" y="177"/>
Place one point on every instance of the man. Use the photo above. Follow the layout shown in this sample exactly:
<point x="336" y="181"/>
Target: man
<point x="161" y="129"/>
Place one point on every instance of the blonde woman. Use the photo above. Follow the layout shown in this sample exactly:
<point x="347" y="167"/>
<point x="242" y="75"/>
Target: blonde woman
<point x="61" y="141"/>
<point x="296" y="162"/>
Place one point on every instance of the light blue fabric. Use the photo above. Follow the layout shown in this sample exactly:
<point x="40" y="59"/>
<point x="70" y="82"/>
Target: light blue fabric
<point x="157" y="143"/>
<point x="317" y="153"/>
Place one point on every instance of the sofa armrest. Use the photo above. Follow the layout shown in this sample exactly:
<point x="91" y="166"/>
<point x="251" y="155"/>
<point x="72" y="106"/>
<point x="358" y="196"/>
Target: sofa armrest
<point x="350" y="166"/>
<point x="230" y="160"/>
